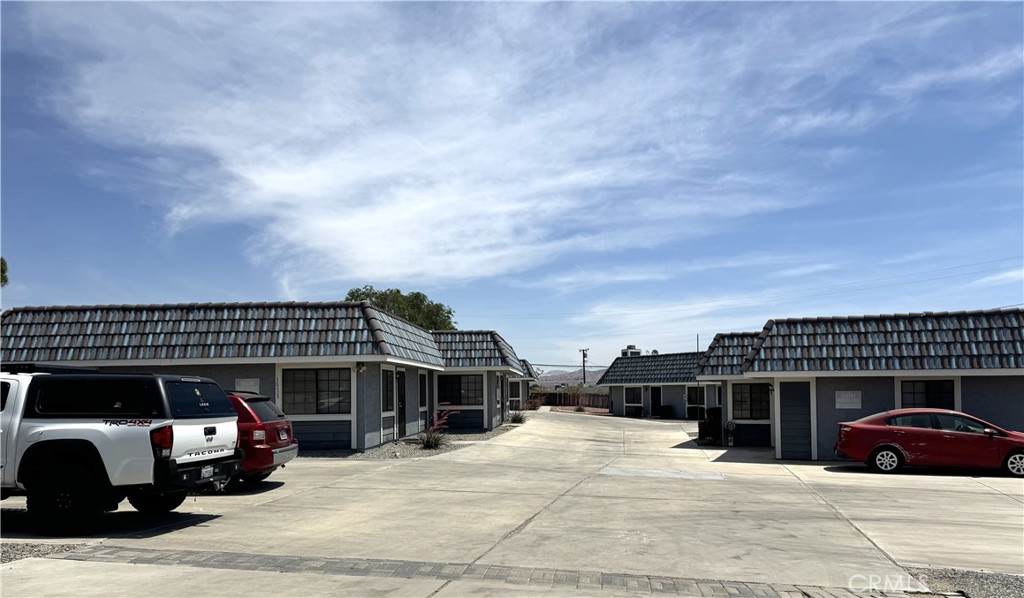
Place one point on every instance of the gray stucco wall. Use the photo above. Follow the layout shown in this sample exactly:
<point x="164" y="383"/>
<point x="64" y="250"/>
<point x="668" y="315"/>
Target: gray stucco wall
<point x="224" y="374"/>
<point x="996" y="399"/>
<point x="323" y="435"/>
<point x="615" y="395"/>
<point x="877" y="394"/>
<point x="675" y="397"/>
<point x="368" y="422"/>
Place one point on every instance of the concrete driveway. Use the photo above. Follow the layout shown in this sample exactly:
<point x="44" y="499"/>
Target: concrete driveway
<point x="567" y="504"/>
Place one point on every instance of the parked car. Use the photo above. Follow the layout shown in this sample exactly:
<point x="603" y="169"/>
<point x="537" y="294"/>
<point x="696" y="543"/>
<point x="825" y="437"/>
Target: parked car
<point x="931" y="438"/>
<point x="265" y="436"/>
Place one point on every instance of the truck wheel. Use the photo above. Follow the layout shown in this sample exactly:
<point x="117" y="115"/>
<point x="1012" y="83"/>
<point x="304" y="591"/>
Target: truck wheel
<point x="157" y="502"/>
<point x="64" y="500"/>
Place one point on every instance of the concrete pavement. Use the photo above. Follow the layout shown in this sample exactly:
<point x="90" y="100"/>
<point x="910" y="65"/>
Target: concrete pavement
<point x="584" y="495"/>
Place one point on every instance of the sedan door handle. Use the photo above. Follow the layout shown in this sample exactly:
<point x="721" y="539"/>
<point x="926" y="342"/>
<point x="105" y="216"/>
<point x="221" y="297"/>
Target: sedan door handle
<point x="898" y="432"/>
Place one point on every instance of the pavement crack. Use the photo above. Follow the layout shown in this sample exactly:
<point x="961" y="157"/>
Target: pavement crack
<point x="1010" y="496"/>
<point x="514" y="531"/>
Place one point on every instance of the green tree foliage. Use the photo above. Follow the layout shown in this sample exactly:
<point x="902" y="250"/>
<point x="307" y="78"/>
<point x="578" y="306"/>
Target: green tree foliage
<point x="414" y="307"/>
<point x="3" y="272"/>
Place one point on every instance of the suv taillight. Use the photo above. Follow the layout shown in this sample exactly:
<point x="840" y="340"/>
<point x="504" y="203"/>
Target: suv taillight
<point x="259" y="434"/>
<point x="162" y="440"/>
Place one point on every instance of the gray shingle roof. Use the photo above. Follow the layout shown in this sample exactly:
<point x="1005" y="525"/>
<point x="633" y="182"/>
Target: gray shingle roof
<point x="963" y="340"/>
<point x="528" y="370"/>
<point x="210" y="331"/>
<point x="725" y="354"/>
<point x="665" y="368"/>
<point x="476" y="349"/>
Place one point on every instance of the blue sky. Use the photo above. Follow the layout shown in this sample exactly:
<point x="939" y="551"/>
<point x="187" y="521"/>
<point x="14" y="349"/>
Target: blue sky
<point x="572" y="175"/>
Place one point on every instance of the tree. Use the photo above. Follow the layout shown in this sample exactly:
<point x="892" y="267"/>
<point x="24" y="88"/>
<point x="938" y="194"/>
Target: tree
<point x="3" y="272"/>
<point x="414" y="307"/>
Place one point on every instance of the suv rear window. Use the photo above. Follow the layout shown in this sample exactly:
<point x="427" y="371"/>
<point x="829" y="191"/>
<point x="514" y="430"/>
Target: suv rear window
<point x="197" y="399"/>
<point x="97" y="396"/>
<point x="265" y="409"/>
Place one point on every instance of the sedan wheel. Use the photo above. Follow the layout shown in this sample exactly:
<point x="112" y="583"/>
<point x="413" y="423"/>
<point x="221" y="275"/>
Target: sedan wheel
<point x="1015" y="464"/>
<point x="886" y="460"/>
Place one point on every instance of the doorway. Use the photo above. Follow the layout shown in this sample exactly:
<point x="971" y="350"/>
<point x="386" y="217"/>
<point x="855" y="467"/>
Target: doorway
<point x="655" y="401"/>
<point x="400" y="391"/>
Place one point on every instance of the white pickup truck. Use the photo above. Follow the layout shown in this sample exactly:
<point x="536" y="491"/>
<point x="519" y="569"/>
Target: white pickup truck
<point x="79" y="444"/>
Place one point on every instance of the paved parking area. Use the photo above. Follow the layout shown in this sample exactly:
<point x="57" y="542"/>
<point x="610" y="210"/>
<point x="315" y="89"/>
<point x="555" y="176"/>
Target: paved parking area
<point x="567" y="504"/>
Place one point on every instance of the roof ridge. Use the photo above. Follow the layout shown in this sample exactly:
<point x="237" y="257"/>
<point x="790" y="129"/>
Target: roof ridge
<point x="370" y="314"/>
<point x="192" y="305"/>
<point x="894" y="316"/>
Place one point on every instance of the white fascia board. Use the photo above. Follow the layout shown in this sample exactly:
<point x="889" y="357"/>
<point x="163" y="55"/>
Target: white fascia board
<point x="885" y="373"/>
<point x="242" y="360"/>
<point x="710" y="378"/>
<point x="409" y="362"/>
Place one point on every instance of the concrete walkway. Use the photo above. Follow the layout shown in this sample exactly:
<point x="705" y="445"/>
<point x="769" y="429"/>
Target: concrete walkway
<point x="566" y="504"/>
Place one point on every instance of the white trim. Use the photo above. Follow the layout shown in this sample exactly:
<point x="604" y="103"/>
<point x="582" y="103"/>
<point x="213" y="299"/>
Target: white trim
<point x="463" y="370"/>
<point x="886" y="373"/>
<point x="319" y="417"/>
<point x="394" y="401"/>
<point x="626" y="404"/>
<point x="814" y="419"/>
<point x="279" y="359"/>
<point x="723" y="377"/>
<point x="777" y="401"/>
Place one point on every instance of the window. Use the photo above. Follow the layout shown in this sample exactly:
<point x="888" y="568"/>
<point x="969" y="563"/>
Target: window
<point x="121" y="398"/>
<point x="387" y="390"/>
<point x="460" y="390"/>
<point x="750" y="401"/>
<point x="514" y="390"/>
<point x="956" y="423"/>
<point x="6" y="391"/>
<point x="915" y="420"/>
<point x="934" y="394"/>
<point x="197" y="399"/>
<point x="423" y="390"/>
<point x="695" y="403"/>
<point x="316" y="391"/>
<point x="634" y="396"/>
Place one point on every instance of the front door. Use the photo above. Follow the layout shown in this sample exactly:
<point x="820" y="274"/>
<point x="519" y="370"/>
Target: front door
<point x="400" y="391"/>
<point x="963" y="442"/>
<point x="655" y="401"/>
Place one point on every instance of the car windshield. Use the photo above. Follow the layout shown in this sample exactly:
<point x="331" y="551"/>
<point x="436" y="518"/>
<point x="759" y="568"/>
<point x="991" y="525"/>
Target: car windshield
<point x="265" y="409"/>
<point x="198" y="399"/>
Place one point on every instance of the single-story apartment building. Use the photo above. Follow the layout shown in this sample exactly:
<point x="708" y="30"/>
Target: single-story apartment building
<point x="349" y="375"/>
<point x="658" y="385"/>
<point x="790" y="385"/>
<point x="828" y="370"/>
<point x="519" y="386"/>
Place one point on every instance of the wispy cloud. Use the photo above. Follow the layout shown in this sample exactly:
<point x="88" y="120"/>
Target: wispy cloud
<point x="996" y="66"/>
<point x="383" y="143"/>
<point x="1010" y="276"/>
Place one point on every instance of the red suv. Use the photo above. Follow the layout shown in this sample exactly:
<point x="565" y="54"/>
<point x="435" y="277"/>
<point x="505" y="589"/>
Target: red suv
<point x="932" y="438"/>
<point x="264" y="434"/>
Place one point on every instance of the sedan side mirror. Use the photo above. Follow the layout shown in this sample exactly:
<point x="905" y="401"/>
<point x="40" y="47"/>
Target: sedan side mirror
<point x="991" y="432"/>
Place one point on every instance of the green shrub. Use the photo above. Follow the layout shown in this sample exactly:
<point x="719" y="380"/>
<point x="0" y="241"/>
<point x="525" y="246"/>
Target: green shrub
<point x="517" y="417"/>
<point x="433" y="439"/>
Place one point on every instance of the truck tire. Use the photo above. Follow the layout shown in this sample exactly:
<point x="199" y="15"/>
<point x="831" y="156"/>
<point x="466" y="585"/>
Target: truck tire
<point x="64" y="500"/>
<point x="157" y="502"/>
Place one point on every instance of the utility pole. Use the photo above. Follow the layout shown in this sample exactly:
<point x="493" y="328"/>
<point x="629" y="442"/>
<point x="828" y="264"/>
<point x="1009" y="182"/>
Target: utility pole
<point x="584" y="351"/>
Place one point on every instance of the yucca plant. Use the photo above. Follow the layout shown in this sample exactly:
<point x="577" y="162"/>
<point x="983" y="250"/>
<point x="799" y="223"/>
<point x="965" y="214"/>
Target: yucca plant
<point x="434" y="437"/>
<point x="517" y="417"/>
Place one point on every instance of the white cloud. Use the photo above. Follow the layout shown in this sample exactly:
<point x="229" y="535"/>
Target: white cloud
<point x="380" y="142"/>
<point x="996" y="66"/>
<point x="1010" y="276"/>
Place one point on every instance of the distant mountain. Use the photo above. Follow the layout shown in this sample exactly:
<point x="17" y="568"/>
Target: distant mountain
<point x="556" y="377"/>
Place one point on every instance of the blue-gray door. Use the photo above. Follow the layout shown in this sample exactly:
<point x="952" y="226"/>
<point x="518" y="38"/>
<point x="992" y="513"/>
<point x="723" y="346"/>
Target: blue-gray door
<point x="795" y="419"/>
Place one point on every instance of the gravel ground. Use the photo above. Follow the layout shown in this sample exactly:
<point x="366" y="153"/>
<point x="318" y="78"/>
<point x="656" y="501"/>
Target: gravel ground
<point x="411" y="448"/>
<point x="974" y="584"/>
<point x="12" y="551"/>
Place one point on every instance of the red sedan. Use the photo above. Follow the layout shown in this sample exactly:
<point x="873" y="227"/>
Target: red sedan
<point x="264" y="434"/>
<point x="930" y="438"/>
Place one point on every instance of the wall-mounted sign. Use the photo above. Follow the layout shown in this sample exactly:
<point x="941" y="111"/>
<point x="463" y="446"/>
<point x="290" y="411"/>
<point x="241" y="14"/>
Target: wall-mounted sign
<point x="247" y="384"/>
<point x="847" y="399"/>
